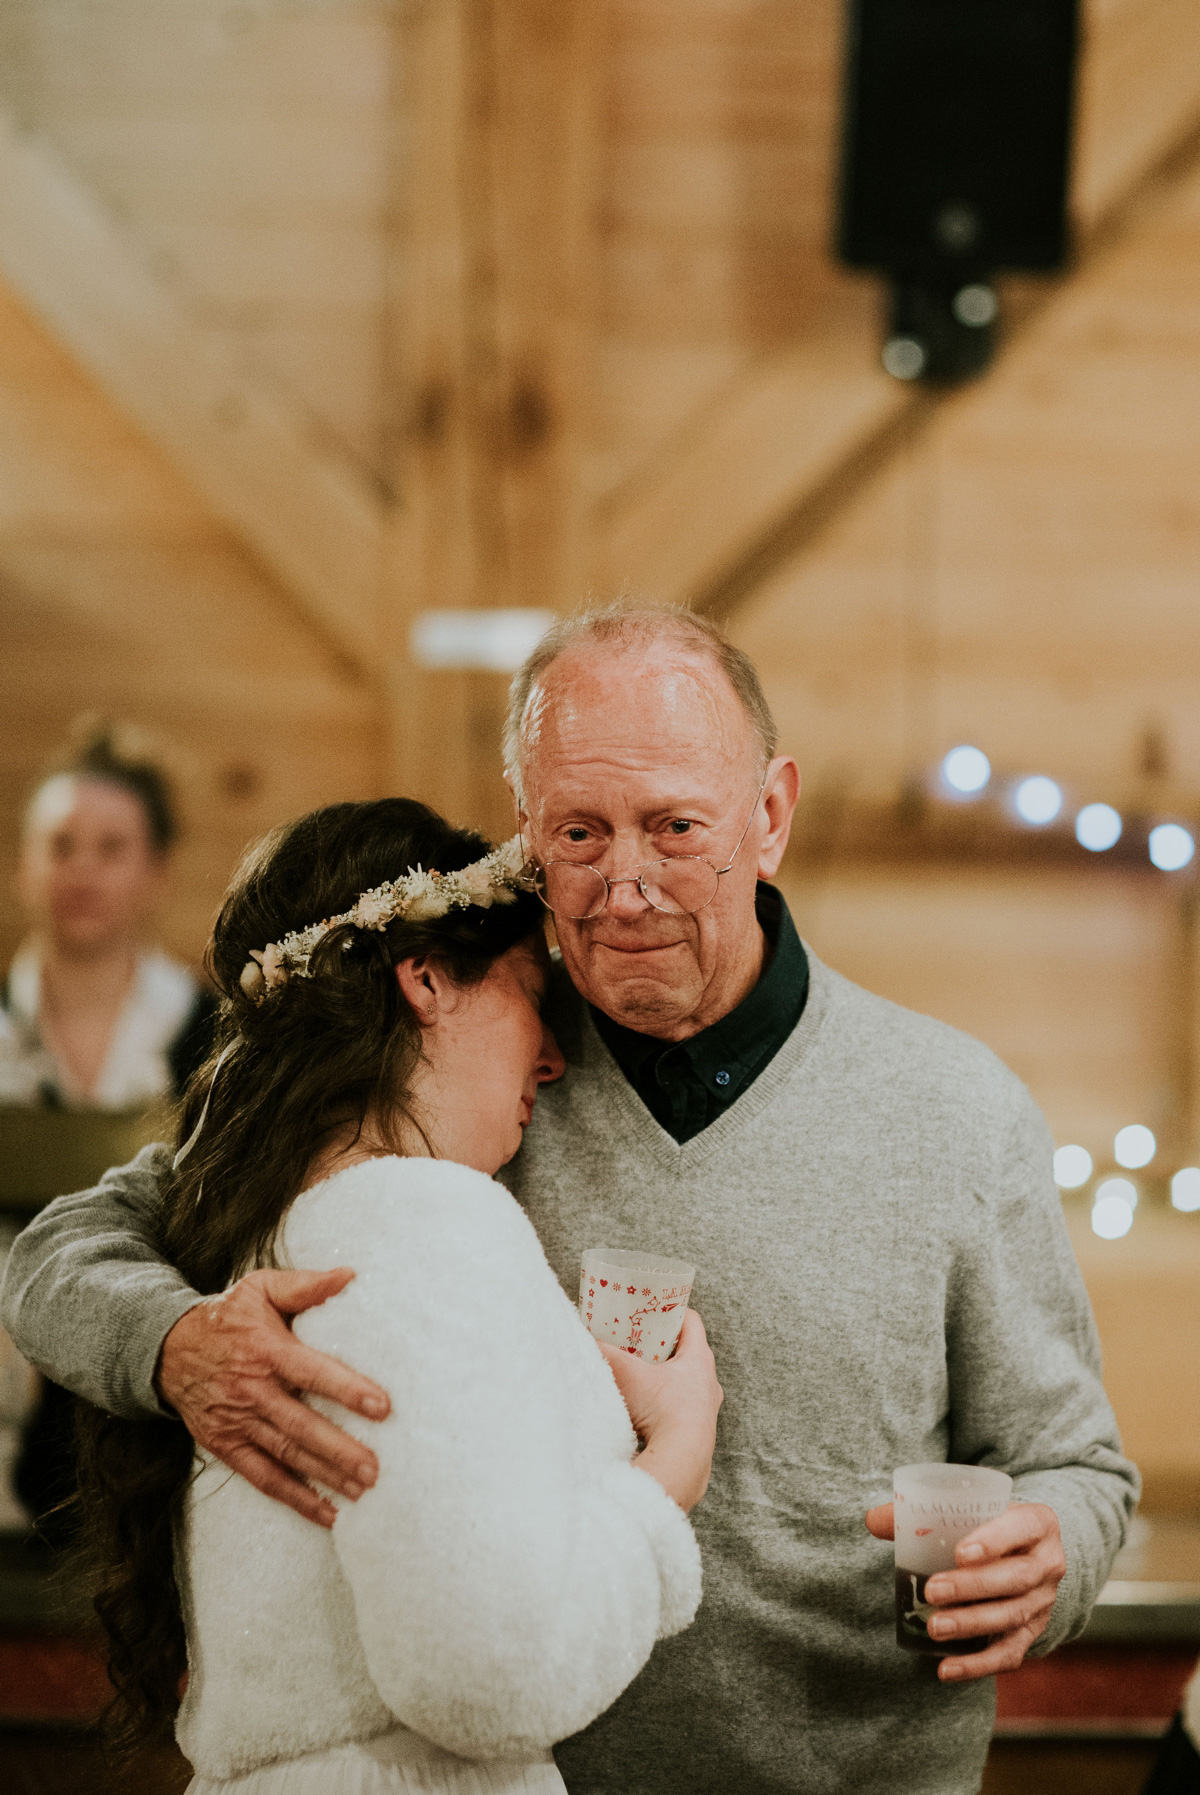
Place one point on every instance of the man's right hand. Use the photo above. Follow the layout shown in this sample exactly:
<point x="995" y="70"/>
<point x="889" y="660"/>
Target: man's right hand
<point x="231" y="1368"/>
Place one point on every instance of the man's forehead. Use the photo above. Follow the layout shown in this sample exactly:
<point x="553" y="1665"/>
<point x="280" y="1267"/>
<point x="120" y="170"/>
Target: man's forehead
<point x="619" y="791"/>
<point x="649" y="701"/>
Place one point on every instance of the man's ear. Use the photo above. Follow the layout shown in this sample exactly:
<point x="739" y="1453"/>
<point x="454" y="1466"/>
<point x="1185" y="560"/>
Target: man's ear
<point x="781" y="793"/>
<point x="424" y="986"/>
<point x="518" y="804"/>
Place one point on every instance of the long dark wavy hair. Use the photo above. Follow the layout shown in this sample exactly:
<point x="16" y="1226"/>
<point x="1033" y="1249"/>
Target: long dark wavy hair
<point x="319" y="1053"/>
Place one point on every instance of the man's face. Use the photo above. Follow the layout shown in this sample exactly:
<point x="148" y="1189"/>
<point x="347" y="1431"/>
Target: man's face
<point x="631" y="754"/>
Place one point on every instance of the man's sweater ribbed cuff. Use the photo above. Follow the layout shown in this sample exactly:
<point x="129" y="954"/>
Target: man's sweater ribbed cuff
<point x="148" y="1326"/>
<point x="1088" y="1558"/>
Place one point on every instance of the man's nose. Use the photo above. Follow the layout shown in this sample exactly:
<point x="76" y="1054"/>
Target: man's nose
<point x="625" y="900"/>
<point x="551" y="1063"/>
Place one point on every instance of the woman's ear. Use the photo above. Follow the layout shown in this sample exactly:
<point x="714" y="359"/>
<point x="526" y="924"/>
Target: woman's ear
<point x="424" y="986"/>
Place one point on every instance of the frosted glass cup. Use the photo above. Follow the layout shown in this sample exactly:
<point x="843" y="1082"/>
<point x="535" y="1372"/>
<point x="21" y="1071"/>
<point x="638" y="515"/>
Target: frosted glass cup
<point x="635" y="1301"/>
<point x="935" y="1507"/>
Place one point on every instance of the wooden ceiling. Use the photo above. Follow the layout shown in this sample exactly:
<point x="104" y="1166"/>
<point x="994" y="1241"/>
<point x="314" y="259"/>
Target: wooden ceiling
<point x="554" y="274"/>
<point x="506" y="301"/>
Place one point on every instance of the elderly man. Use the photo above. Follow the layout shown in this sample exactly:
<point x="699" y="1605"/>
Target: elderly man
<point x="883" y="1266"/>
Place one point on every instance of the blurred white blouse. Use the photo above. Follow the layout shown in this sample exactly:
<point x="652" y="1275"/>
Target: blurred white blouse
<point x="137" y="1067"/>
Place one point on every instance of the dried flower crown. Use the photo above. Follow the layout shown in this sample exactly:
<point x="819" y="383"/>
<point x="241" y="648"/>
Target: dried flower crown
<point x="416" y="895"/>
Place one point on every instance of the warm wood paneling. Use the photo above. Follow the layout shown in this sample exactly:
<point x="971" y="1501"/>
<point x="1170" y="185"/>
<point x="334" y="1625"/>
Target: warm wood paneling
<point x="250" y="149"/>
<point x="719" y="223"/>
<point x="1137" y="96"/>
<point x="120" y="593"/>
<point x="1069" y="982"/>
<point x="306" y="512"/>
<point x="1023" y="574"/>
<point x="1143" y="1291"/>
<point x="717" y="147"/>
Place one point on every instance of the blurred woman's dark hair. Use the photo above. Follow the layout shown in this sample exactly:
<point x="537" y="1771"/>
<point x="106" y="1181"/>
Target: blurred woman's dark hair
<point x="315" y="1055"/>
<point x="115" y="754"/>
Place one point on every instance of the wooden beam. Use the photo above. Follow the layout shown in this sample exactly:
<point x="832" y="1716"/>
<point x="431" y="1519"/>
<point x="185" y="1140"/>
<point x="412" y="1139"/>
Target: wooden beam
<point x="257" y="463"/>
<point x="787" y="428"/>
<point x="491" y="229"/>
<point x="789" y="440"/>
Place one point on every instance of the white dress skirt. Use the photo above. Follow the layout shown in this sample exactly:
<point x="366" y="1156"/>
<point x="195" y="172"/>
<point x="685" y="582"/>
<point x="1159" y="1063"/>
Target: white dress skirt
<point x="398" y="1763"/>
<point x="511" y="1569"/>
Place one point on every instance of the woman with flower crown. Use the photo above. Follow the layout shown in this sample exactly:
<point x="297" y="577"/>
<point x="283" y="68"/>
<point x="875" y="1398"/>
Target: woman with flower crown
<point x="379" y="1051"/>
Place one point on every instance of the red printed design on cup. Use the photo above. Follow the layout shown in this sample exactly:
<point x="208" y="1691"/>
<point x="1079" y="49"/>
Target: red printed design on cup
<point x="642" y="1314"/>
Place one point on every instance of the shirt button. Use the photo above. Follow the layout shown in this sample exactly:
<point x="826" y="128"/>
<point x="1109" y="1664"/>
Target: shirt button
<point x="722" y="1078"/>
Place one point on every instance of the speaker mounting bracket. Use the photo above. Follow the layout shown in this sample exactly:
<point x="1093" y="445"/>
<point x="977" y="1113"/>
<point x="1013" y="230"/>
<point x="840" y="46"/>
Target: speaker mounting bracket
<point x="940" y="330"/>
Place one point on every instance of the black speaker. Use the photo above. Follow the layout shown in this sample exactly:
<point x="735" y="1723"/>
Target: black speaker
<point x="957" y="131"/>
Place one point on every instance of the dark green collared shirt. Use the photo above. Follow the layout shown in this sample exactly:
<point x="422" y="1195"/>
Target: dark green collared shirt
<point x="687" y="1084"/>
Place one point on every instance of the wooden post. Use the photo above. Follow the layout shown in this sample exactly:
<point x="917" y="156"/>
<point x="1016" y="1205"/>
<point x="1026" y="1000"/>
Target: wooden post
<point x="488" y="383"/>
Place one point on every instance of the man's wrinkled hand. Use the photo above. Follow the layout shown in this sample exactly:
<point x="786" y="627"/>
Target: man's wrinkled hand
<point x="232" y="1370"/>
<point x="1004" y="1584"/>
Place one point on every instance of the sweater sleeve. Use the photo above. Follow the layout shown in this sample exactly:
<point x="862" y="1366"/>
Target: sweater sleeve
<point x="1025" y="1379"/>
<point x="511" y="1569"/>
<point x="87" y="1295"/>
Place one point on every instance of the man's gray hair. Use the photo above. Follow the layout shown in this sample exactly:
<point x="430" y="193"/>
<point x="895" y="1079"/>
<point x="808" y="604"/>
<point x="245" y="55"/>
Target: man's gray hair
<point x="626" y="622"/>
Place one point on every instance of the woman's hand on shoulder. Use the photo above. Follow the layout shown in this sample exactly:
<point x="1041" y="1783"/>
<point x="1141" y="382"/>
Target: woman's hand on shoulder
<point x="673" y="1408"/>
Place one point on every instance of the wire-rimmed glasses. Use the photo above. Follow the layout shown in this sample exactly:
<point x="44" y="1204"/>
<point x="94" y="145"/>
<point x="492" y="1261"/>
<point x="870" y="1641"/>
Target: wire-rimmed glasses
<point x="680" y="884"/>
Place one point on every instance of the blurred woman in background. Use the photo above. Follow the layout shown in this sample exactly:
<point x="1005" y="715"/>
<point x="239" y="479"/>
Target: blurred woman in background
<point x="91" y="1015"/>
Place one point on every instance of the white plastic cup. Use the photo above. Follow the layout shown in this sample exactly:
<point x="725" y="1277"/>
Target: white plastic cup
<point x="635" y="1301"/>
<point x="935" y="1507"/>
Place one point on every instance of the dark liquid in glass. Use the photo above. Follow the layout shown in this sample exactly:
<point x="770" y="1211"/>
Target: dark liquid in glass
<point x="912" y="1612"/>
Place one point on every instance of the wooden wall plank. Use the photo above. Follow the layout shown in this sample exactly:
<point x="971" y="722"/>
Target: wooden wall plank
<point x="718" y="127"/>
<point x="135" y="52"/>
<point x="492" y="229"/>
<point x="1143" y="1293"/>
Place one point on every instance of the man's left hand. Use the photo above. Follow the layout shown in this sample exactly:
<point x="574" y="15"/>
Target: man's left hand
<point x="1008" y="1575"/>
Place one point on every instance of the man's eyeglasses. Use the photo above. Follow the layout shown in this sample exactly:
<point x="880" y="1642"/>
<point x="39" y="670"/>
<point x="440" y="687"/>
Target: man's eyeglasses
<point x="680" y="885"/>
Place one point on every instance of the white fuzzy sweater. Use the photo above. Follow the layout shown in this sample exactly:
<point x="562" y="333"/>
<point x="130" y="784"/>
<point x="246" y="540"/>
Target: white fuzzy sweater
<point x="511" y="1570"/>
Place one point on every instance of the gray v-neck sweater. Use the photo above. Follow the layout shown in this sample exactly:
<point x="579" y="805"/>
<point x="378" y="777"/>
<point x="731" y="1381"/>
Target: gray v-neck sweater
<point x="886" y="1279"/>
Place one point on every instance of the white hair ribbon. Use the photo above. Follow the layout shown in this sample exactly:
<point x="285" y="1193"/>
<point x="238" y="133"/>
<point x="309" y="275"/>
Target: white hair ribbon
<point x="194" y="1136"/>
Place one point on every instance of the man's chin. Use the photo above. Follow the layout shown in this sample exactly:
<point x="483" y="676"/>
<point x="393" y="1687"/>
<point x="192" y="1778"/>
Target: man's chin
<point x="650" y="992"/>
<point x="645" y="1004"/>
